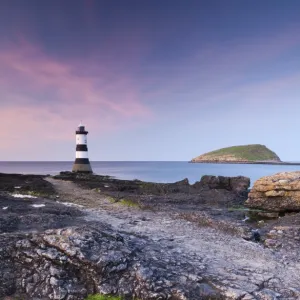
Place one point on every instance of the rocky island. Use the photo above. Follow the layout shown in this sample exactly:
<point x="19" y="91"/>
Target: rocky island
<point x="73" y="235"/>
<point x="255" y="153"/>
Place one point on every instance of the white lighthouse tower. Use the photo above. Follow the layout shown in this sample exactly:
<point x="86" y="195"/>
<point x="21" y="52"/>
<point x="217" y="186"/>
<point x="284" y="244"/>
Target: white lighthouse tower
<point x="82" y="163"/>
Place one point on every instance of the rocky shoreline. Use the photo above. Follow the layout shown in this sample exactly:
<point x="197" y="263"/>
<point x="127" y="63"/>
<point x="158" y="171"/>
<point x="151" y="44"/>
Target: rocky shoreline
<point x="73" y="235"/>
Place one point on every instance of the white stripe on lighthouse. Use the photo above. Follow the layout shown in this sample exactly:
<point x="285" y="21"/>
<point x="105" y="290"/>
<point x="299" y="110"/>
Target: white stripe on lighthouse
<point x="81" y="154"/>
<point x="81" y="139"/>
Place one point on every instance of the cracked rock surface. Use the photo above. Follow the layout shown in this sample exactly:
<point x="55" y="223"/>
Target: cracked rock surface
<point x="57" y="251"/>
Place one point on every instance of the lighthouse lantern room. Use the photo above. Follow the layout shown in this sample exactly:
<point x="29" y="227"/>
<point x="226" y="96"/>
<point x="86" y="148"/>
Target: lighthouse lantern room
<point x="82" y="163"/>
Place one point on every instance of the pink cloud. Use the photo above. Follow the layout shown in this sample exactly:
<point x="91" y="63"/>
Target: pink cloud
<point x="37" y="90"/>
<point x="43" y="100"/>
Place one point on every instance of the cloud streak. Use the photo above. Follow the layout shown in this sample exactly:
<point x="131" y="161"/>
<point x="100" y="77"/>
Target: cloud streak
<point x="218" y="72"/>
<point x="29" y="69"/>
<point x="46" y="97"/>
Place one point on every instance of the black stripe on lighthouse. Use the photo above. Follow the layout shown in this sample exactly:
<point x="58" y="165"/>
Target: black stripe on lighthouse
<point x="81" y="148"/>
<point x="81" y="132"/>
<point x="83" y="161"/>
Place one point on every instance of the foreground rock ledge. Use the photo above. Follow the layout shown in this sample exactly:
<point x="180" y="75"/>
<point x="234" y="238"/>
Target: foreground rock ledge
<point x="73" y="262"/>
<point x="180" y="247"/>
<point x="278" y="193"/>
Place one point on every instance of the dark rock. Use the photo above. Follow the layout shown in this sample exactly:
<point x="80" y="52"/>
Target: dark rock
<point x="25" y="183"/>
<point x="212" y="190"/>
<point x="216" y="182"/>
<point x="21" y="215"/>
<point x="239" y="184"/>
<point x="73" y="262"/>
<point x="256" y="235"/>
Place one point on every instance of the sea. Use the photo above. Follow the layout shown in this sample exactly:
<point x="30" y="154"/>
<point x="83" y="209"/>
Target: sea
<point x="153" y="171"/>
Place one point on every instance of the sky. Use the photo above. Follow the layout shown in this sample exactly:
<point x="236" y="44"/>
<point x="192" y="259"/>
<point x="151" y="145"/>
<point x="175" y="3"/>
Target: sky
<point x="150" y="79"/>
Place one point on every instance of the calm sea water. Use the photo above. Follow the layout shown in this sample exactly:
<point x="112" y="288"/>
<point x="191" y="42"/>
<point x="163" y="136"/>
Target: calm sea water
<point x="150" y="171"/>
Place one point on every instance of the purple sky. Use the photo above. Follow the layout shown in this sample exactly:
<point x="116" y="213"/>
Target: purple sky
<point x="151" y="79"/>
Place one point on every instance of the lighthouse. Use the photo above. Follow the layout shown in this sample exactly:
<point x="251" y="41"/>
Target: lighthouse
<point x="82" y="163"/>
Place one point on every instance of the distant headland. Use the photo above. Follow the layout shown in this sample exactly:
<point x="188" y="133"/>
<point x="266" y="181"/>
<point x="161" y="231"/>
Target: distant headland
<point x="244" y="154"/>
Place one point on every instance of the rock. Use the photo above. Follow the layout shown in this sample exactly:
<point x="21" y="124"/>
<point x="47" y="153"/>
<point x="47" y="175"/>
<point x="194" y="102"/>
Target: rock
<point x="256" y="235"/>
<point x="268" y="215"/>
<point x="207" y="292"/>
<point x="238" y="184"/>
<point x="233" y="293"/>
<point x="271" y="243"/>
<point x="276" y="193"/>
<point x="259" y="215"/>
<point x="73" y="262"/>
<point x="266" y="294"/>
<point x="62" y="252"/>
<point x="222" y="190"/>
<point x="216" y="182"/>
<point x="213" y="190"/>
<point x="52" y="253"/>
<point x="25" y="184"/>
<point x="248" y="297"/>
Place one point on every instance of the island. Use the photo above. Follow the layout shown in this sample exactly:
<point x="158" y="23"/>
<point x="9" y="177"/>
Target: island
<point x="254" y="153"/>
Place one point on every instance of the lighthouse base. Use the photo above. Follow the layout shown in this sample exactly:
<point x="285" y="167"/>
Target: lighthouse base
<point x="82" y="166"/>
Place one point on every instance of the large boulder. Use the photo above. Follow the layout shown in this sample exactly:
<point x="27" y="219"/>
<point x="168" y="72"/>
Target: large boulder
<point x="279" y="192"/>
